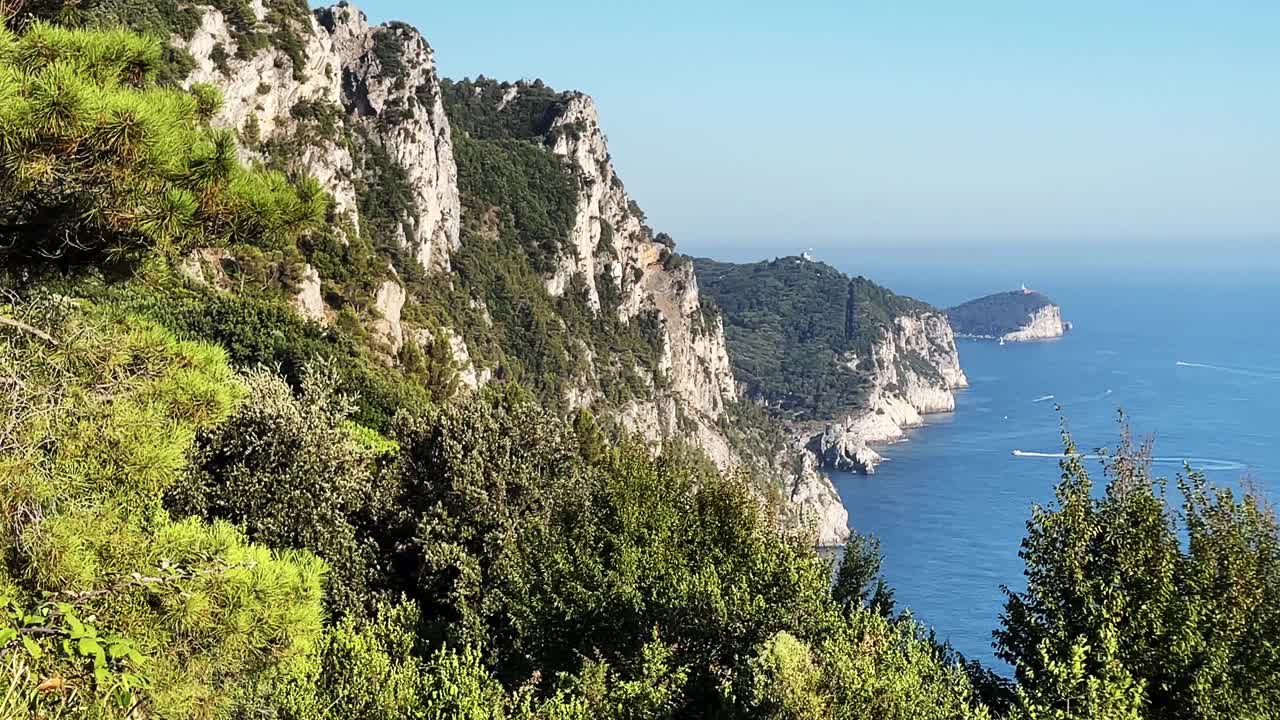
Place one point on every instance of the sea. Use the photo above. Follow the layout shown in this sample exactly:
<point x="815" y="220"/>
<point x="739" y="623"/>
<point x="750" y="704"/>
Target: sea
<point x="1192" y="357"/>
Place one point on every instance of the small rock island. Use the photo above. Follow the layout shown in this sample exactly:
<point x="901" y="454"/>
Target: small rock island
<point x="1020" y="315"/>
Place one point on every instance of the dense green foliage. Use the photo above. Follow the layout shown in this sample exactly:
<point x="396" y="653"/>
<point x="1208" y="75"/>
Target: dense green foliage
<point x="120" y="603"/>
<point x="98" y="162"/>
<point x="476" y="108"/>
<point x="996" y="315"/>
<point x="551" y="582"/>
<point x="533" y="192"/>
<point x="793" y="326"/>
<point x="214" y="509"/>
<point x="1145" y="606"/>
<point x="292" y="473"/>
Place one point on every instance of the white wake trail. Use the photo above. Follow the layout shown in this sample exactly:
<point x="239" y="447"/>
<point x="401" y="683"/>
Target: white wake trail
<point x="1263" y="374"/>
<point x="1196" y="463"/>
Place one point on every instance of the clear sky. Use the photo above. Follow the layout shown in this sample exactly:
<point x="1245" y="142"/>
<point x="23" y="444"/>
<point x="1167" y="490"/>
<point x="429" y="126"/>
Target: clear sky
<point x="909" y="122"/>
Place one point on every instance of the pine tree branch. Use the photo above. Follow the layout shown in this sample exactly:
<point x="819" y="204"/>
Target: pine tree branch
<point x="27" y="328"/>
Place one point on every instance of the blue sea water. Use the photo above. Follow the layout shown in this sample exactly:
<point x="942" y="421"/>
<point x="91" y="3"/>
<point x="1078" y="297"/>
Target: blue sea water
<point x="1193" y="359"/>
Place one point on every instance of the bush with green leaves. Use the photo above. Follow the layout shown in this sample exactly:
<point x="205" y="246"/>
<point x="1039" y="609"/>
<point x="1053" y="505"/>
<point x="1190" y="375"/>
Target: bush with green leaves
<point x="518" y="546"/>
<point x="123" y="607"/>
<point x="261" y="330"/>
<point x="289" y="470"/>
<point x="534" y="191"/>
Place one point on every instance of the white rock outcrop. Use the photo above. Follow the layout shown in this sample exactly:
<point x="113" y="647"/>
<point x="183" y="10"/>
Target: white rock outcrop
<point x="309" y="302"/>
<point x="389" y="302"/>
<point x="1043" y="324"/>
<point x="815" y="503"/>
<point x="915" y="368"/>
<point x="261" y="92"/>
<point x="391" y="91"/>
<point x="609" y="243"/>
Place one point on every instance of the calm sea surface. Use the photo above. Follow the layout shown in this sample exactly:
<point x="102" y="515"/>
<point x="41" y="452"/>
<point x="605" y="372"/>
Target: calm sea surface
<point x="1193" y="360"/>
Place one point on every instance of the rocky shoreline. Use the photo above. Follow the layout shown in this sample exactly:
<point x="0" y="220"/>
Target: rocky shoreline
<point x="903" y="393"/>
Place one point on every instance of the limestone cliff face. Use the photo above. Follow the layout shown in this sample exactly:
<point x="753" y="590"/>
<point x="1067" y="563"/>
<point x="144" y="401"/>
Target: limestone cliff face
<point x="813" y="500"/>
<point x="915" y="368"/>
<point x="391" y="92"/>
<point x="381" y="80"/>
<point x="261" y="92"/>
<point x="609" y="243"/>
<point x="1043" y="324"/>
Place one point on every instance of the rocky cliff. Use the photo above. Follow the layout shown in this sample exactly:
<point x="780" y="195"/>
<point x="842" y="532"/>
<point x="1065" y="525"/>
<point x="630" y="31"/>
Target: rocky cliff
<point x="845" y="363"/>
<point x="1018" y="316"/>
<point x="1043" y="324"/>
<point x="391" y="93"/>
<point x="610" y="244"/>
<point x="362" y="109"/>
<point x="913" y="369"/>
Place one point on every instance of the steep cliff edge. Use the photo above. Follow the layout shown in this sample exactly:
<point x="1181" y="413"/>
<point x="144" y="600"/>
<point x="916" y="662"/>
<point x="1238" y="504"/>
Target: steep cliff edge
<point x="1017" y="316"/>
<point x="482" y="225"/>
<point x="588" y="257"/>
<point x="842" y="361"/>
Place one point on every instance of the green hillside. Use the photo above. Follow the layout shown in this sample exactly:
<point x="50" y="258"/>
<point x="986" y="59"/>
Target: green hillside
<point x="792" y="325"/>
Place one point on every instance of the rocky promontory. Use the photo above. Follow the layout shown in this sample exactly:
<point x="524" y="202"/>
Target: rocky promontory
<point x="1017" y="316"/>
<point x="843" y="362"/>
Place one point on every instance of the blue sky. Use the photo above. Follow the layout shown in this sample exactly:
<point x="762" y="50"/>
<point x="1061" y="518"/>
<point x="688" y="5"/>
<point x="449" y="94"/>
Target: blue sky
<point x="910" y="123"/>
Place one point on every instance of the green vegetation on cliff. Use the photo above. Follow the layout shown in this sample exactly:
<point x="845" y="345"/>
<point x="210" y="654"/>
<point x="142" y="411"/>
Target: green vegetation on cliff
<point x="210" y="508"/>
<point x="793" y="327"/>
<point x="226" y="527"/>
<point x="996" y="315"/>
<point x="477" y="108"/>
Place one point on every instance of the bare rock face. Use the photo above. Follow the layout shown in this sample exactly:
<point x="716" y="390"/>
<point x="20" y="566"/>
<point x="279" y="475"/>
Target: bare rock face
<point x="468" y="376"/>
<point x="378" y="84"/>
<point x="309" y="302"/>
<point x="903" y="392"/>
<point x="610" y="243"/>
<point x="264" y="99"/>
<point x="391" y="91"/>
<point x="1043" y="324"/>
<point x="389" y="302"/>
<point x="814" y="501"/>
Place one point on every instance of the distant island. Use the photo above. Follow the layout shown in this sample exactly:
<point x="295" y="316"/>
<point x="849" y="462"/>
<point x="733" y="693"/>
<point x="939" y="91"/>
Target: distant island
<point x="1019" y="315"/>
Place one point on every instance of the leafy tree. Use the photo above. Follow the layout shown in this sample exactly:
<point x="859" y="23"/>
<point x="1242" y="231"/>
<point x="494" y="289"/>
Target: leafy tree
<point x="786" y="681"/>
<point x="1133" y="607"/>
<point x="873" y="667"/>
<point x="858" y="582"/>
<point x="290" y="471"/>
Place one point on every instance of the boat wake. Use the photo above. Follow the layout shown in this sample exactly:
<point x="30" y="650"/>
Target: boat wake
<point x="1263" y="374"/>
<point x="1196" y="463"/>
<point x="1042" y="399"/>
